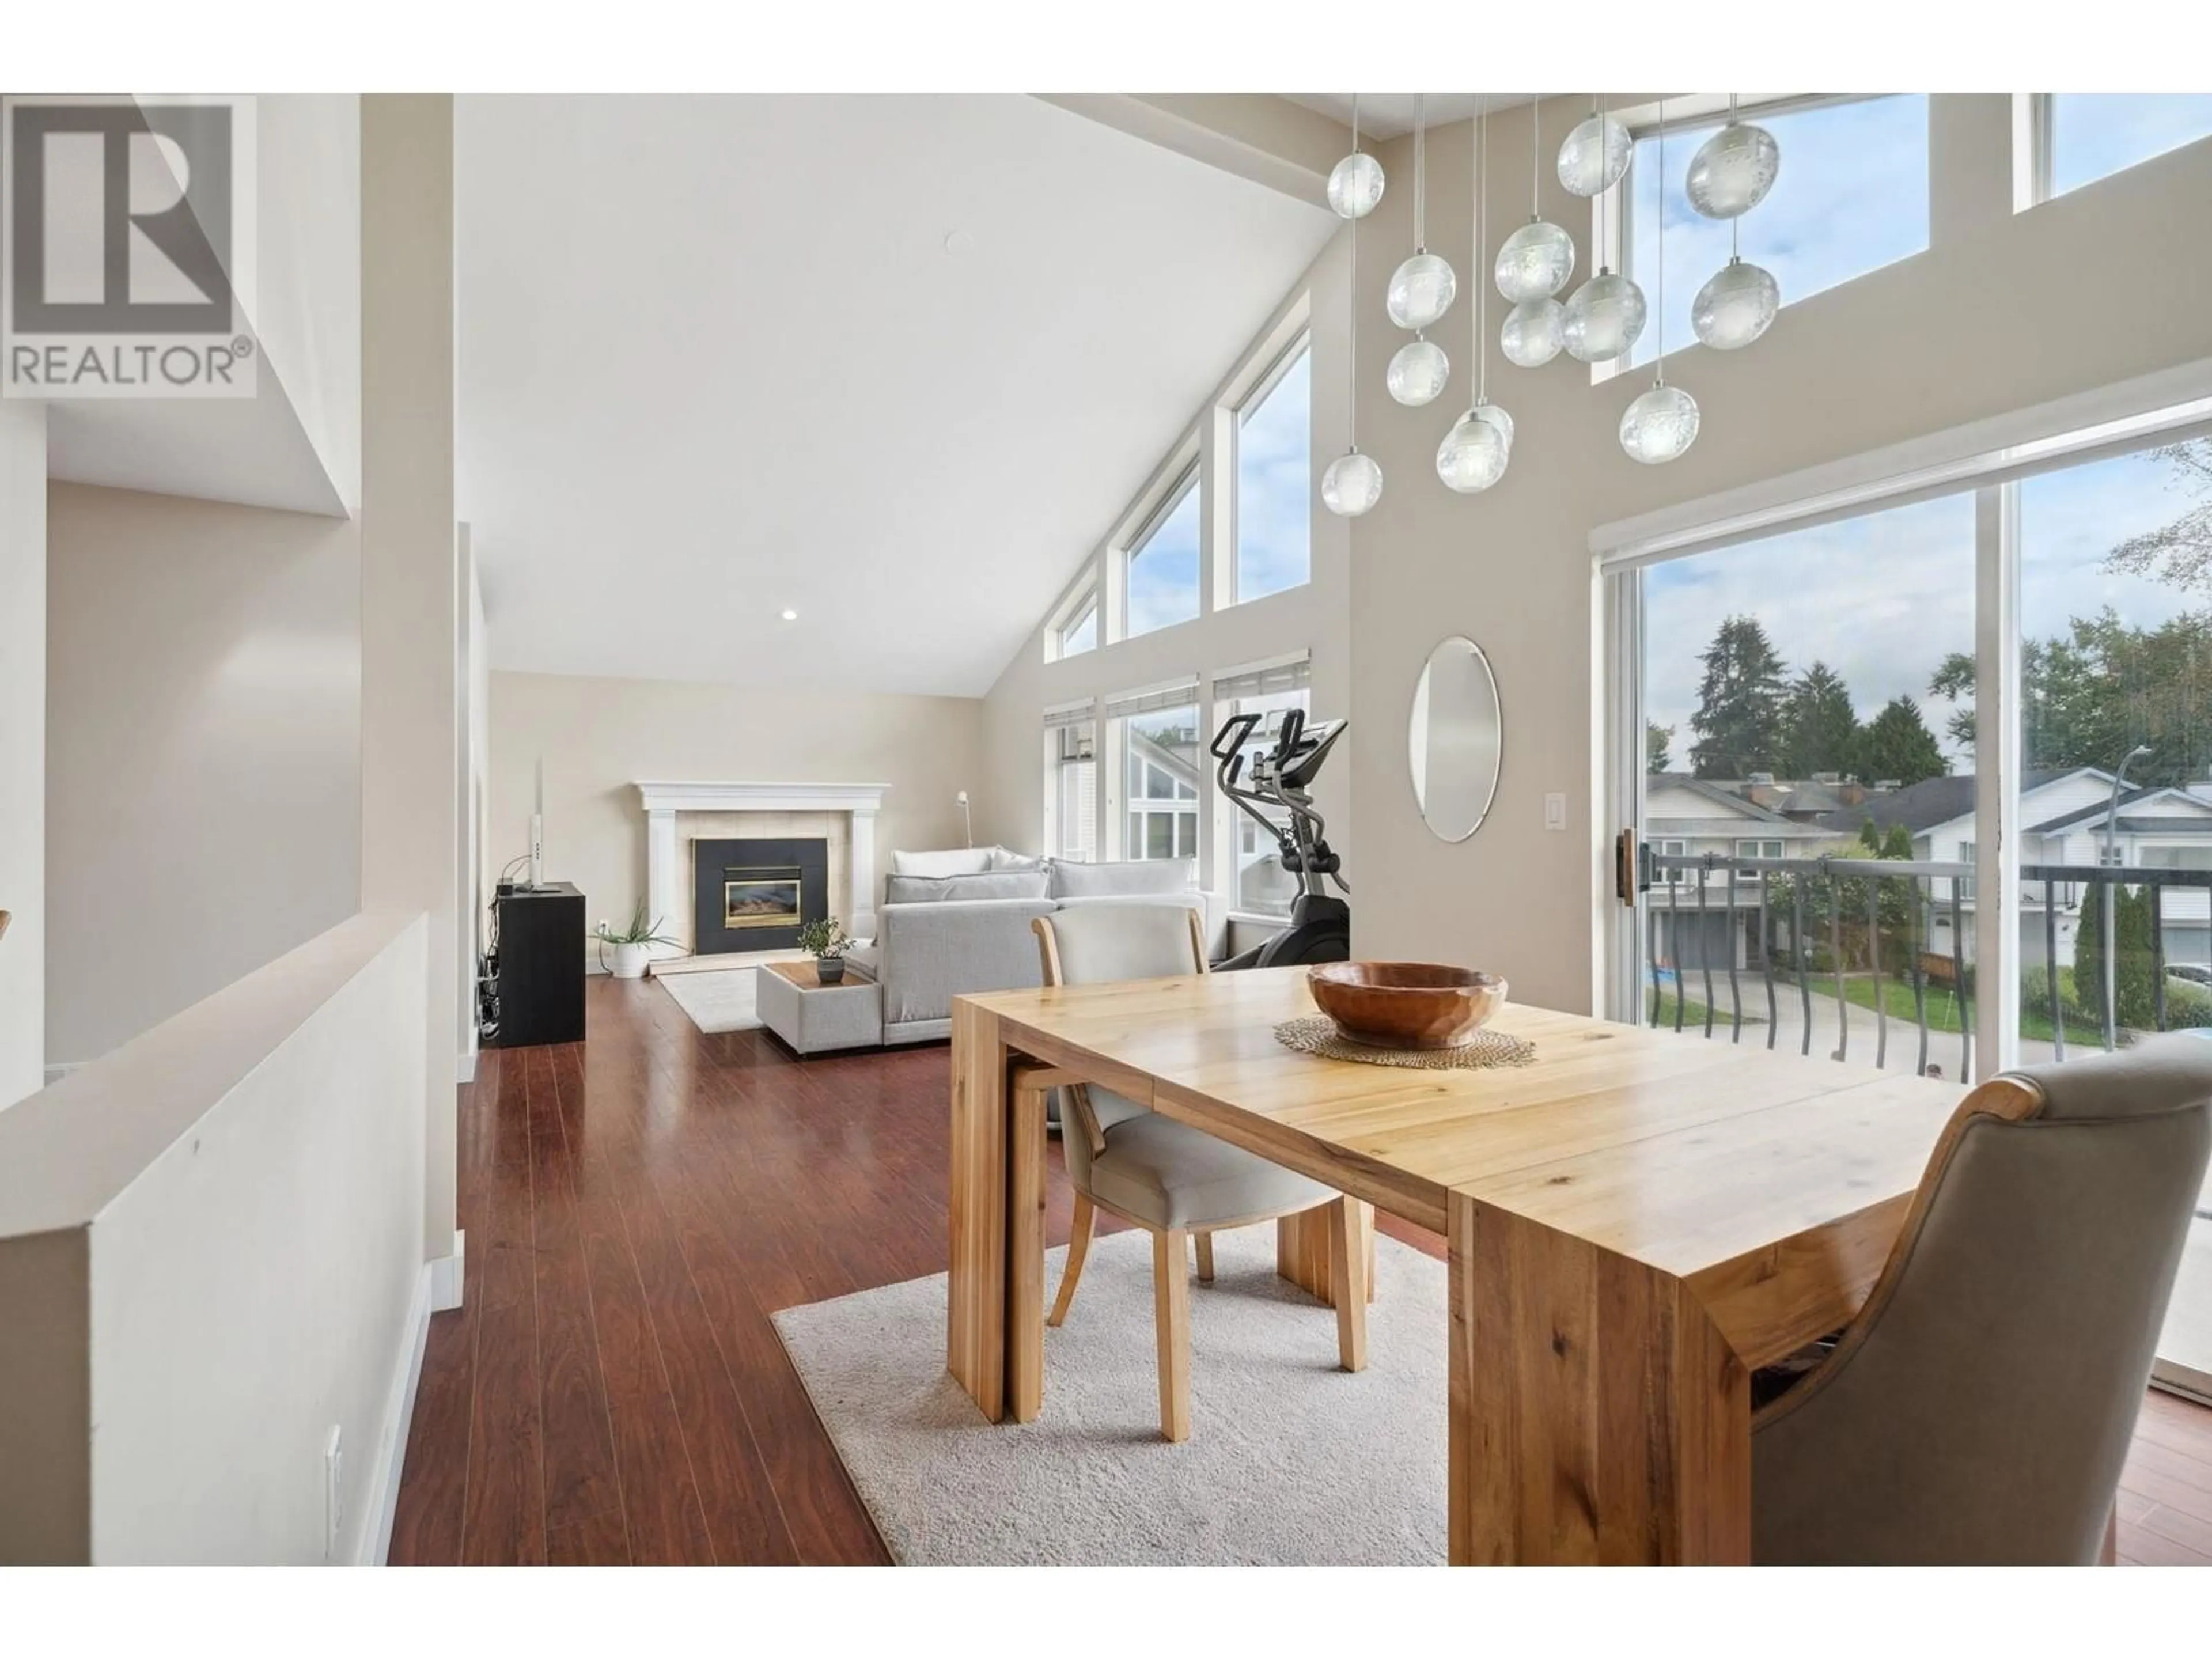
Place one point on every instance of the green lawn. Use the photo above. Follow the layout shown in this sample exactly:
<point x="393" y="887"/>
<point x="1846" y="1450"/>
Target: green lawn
<point x="1943" y="1011"/>
<point x="1693" y="1013"/>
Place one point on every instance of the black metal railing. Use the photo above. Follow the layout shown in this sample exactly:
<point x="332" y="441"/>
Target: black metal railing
<point x="1889" y="940"/>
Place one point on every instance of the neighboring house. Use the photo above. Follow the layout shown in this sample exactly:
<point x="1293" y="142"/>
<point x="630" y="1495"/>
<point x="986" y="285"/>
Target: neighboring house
<point x="2065" y="812"/>
<point x="1713" y="917"/>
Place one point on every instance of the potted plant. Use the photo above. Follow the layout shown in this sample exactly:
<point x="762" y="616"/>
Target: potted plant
<point x="824" y="938"/>
<point x="632" y="945"/>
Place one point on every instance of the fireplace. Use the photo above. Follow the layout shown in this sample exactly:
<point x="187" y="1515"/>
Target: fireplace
<point x="756" y="895"/>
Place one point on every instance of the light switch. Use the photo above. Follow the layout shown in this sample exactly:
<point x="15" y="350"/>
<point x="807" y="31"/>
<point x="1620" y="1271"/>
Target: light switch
<point x="1555" y="811"/>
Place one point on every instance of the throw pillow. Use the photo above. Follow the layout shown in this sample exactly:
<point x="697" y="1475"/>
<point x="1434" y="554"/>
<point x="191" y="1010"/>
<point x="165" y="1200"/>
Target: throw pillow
<point x="998" y="884"/>
<point x="1131" y="877"/>
<point x="959" y="861"/>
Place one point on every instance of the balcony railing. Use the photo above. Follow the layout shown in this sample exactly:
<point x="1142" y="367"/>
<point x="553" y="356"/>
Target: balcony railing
<point x="1881" y="950"/>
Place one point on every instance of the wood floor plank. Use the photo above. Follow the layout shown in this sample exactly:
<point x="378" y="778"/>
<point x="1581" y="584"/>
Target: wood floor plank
<point x="667" y="1522"/>
<point x="2141" y="1548"/>
<point x="737" y="1492"/>
<point x="581" y="1484"/>
<point x="692" y="1185"/>
<point x="2189" y="1531"/>
<point x="504" y="1518"/>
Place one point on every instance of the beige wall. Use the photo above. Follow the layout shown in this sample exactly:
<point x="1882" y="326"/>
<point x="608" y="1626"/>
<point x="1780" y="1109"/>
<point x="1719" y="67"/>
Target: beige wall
<point x="204" y="751"/>
<point x="22" y="746"/>
<point x="2001" y="312"/>
<point x="599" y="736"/>
<point x="412" y="599"/>
<point x="211" y="1257"/>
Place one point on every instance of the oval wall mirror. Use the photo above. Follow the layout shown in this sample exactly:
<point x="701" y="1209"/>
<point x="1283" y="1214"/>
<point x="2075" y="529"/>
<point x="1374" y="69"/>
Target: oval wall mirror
<point x="1453" y="738"/>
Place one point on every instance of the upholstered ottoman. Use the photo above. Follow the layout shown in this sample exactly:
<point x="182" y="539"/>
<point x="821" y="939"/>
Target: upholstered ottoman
<point x="812" y="1017"/>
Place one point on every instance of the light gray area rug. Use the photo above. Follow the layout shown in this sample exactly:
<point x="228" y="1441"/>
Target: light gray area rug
<point x="1291" y="1461"/>
<point x="717" y="1001"/>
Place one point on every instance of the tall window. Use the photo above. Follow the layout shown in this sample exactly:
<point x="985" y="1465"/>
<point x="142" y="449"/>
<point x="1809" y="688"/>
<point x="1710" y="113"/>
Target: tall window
<point x="1263" y="887"/>
<point x="1162" y="756"/>
<point x="2094" y="134"/>
<point x="1074" y="775"/>
<point x="1852" y="198"/>
<point x="1162" y="567"/>
<point x="1079" y="633"/>
<point x="1275" y="480"/>
<point x="2116" y="656"/>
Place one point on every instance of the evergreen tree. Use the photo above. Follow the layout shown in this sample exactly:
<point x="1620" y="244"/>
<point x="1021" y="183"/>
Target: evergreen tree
<point x="2089" y="954"/>
<point x="2135" y="969"/>
<point x="1897" y="744"/>
<point x="1896" y="842"/>
<point x="1738" y="721"/>
<point x="2090" y="695"/>
<point x="1820" y="729"/>
<point x="1658" y="742"/>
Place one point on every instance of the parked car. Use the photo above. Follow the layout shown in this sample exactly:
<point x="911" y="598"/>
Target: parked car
<point x="2190" y="971"/>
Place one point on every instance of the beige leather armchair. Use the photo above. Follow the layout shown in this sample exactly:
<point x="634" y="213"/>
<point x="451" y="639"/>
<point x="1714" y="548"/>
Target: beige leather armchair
<point x="1980" y="1408"/>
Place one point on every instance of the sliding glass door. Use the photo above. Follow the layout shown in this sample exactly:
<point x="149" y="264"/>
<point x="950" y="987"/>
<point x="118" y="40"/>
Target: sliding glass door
<point x="1928" y="786"/>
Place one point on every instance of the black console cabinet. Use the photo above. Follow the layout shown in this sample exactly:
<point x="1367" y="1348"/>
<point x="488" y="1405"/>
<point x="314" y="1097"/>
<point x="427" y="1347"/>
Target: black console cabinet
<point x="541" y="966"/>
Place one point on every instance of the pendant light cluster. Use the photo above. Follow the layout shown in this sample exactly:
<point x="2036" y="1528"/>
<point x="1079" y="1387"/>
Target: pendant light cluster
<point x="1353" y="482"/>
<point x="1729" y="175"/>
<point x="1600" y="322"/>
<point x="1473" y="453"/>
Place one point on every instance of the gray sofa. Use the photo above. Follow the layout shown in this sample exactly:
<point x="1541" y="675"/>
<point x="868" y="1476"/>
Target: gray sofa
<point x="949" y="923"/>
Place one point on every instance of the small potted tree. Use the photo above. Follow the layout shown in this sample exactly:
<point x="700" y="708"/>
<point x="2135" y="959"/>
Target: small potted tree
<point x="633" y="945"/>
<point x="825" y="940"/>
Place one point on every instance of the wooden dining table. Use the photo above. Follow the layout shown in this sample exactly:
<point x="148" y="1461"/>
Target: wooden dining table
<point x="1635" y="1220"/>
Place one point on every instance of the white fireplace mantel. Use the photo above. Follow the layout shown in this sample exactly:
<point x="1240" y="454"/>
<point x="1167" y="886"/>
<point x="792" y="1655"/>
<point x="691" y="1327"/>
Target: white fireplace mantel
<point x="665" y="872"/>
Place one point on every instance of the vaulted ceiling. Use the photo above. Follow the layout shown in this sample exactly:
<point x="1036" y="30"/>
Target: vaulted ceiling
<point x="892" y="362"/>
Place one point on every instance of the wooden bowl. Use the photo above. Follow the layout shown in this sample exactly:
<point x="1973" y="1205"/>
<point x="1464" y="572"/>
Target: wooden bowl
<point x="1405" y="1004"/>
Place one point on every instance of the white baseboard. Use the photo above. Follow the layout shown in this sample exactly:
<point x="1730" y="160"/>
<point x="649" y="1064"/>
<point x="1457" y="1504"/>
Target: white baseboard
<point x="447" y="1275"/>
<point x="383" y="1488"/>
<point x="464" y="1069"/>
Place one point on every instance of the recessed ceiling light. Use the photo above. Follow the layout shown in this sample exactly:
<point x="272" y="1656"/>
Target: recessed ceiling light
<point x="959" y="241"/>
<point x="790" y="616"/>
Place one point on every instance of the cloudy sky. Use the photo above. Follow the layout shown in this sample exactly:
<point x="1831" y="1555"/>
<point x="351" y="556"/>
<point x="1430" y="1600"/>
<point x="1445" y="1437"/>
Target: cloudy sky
<point x="1884" y="598"/>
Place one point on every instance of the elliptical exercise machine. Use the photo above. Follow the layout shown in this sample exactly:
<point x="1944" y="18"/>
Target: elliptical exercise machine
<point x="1282" y="777"/>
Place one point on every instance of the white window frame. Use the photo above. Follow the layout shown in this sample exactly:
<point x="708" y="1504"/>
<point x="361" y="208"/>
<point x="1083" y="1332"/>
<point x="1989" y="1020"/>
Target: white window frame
<point x="1988" y="458"/>
<point x="1087" y="609"/>
<point x="1689" y="115"/>
<point x="1278" y="369"/>
<point x="2035" y="152"/>
<point x="1185" y="480"/>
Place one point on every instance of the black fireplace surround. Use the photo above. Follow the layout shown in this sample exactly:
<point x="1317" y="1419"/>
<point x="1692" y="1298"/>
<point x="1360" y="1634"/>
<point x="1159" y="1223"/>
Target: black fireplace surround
<point x="755" y="894"/>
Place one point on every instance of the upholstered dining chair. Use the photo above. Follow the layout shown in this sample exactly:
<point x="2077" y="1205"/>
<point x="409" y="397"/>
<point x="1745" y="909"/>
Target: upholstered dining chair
<point x="1176" y="1182"/>
<point x="1980" y="1408"/>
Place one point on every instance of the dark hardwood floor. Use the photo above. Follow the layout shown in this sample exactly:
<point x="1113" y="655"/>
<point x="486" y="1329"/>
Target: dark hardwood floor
<point x="638" y="1205"/>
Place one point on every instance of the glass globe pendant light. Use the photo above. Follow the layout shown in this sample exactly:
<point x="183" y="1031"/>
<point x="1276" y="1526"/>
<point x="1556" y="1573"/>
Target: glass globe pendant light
<point x="1534" y="331"/>
<point x="1355" y="183"/>
<point x="1737" y="303"/>
<point x="1421" y="290"/>
<point x="1596" y="154"/>
<point x="1353" y="482"/>
<point x="1603" y="318"/>
<point x="1417" y="371"/>
<point x="1475" y="453"/>
<point x="1734" y="169"/>
<point x="1661" y="425"/>
<point x="1535" y="261"/>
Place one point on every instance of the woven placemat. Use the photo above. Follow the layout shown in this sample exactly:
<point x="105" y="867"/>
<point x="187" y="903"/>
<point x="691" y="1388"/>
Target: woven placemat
<point x="1317" y="1034"/>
